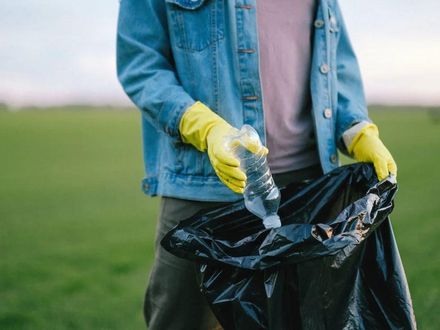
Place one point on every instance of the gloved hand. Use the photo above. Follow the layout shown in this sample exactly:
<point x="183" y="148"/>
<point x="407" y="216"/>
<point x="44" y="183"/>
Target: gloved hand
<point x="206" y="131"/>
<point x="367" y="147"/>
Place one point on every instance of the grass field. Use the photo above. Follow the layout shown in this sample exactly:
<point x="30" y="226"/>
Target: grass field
<point x="76" y="232"/>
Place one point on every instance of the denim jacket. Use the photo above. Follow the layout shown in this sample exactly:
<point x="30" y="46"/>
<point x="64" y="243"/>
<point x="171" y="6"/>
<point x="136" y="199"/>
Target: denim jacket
<point x="171" y="53"/>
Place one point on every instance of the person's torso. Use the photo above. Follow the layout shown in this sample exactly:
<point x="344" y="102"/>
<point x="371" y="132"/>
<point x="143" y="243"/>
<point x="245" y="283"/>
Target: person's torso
<point x="285" y="30"/>
<point x="214" y="45"/>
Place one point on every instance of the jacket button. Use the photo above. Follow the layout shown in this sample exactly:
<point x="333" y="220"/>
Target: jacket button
<point x="327" y="113"/>
<point x="246" y="50"/>
<point x="333" y="158"/>
<point x="319" y="23"/>
<point x="146" y="186"/>
<point x="324" y="68"/>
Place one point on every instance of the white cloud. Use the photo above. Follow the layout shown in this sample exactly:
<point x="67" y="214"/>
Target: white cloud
<point x="64" y="51"/>
<point x="397" y="46"/>
<point x="59" y="52"/>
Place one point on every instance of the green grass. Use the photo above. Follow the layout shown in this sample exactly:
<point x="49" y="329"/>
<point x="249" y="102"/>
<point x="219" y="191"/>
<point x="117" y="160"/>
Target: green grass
<point x="76" y="232"/>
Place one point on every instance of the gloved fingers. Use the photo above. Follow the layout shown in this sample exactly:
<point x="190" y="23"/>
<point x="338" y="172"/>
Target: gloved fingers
<point x="238" y="183"/>
<point x="392" y="167"/>
<point x="250" y="144"/>
<point x="255" y="147"/>
<point x="231" y="171"/>
<point x="225" y="157"/>
<point x="231" y="183"/>
<point x="264" y="151"/>
<point x="381" y="168"/>
<point x="231" y="176"/>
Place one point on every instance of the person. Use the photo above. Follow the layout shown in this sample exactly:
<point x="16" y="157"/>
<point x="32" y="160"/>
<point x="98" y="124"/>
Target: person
<point x="197" y="70"/>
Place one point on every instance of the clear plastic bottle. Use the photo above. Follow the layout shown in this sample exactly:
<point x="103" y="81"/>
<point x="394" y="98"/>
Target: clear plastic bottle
<point x="261" y="195"/>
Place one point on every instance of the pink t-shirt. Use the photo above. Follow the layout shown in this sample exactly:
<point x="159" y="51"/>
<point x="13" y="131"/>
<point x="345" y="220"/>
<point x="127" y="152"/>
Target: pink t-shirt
<point x="285" y="30"/>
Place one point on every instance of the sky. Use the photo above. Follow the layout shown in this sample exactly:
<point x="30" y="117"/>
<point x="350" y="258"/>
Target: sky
<point x="63" y="52"/>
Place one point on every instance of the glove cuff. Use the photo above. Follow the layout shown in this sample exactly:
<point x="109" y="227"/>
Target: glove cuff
<point x="368" y="130"/>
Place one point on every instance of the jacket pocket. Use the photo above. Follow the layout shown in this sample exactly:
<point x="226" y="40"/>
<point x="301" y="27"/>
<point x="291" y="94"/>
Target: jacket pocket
<point x="196" y="24"/>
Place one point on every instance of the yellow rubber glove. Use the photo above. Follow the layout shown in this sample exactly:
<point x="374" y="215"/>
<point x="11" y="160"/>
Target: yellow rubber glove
<point x="206" y="131"/>
<point x="367" y="147"/>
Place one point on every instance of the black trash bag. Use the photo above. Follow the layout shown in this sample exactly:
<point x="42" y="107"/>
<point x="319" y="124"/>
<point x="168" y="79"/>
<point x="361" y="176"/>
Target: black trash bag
<point x="334" y="263"/>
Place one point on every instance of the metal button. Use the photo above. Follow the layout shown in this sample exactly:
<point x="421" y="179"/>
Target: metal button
<point x="324" y="68"/>
<point x="327" y="113"/>
<point x="250" y="98"/>
<point x="249" y="51"/>
<point x="333" y="158"/>
<point x="244" y="6"/>
<point x="146" y="186"/>
<point x="319" y="23"/>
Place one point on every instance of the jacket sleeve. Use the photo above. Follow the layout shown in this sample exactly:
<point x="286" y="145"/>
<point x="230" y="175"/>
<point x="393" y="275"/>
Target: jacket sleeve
<point x="352" y="106"/>
<point x="145" y="65"/>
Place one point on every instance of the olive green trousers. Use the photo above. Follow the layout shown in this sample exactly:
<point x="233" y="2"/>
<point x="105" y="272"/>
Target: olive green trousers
<point x="173" y="300"/>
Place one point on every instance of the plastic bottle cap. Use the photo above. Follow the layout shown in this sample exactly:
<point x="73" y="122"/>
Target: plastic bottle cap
<point x="272" y="221"/>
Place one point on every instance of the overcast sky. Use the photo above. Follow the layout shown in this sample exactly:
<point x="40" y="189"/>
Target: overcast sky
<point x="55" y="52"/>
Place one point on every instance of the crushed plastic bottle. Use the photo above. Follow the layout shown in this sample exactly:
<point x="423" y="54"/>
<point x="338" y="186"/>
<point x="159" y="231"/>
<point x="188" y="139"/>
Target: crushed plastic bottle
<point x="261" y="195"/>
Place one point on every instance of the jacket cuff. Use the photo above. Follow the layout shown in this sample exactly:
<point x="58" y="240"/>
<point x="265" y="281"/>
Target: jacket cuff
<point x="171" y="114"/>
<point x="350" y="133"/>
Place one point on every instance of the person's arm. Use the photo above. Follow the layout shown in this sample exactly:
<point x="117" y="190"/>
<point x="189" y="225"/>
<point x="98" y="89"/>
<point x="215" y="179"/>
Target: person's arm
<point x="352" y="106"/>
<point x="145" y="64"/>
<point x="146" y="72"/>
<point x="356" y="135"/>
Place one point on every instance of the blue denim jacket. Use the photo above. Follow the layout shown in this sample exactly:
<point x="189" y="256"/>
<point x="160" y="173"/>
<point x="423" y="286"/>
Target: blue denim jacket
<point x="171" y="53"/>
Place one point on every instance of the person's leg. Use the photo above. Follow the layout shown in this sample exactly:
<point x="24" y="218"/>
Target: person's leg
<point x="173" y="299"/>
